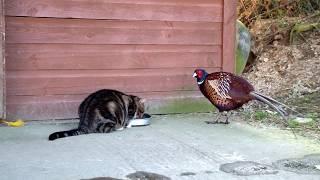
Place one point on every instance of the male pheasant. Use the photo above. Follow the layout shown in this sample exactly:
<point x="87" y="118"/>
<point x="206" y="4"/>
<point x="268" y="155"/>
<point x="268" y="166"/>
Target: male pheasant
<point x="227" y="91"/>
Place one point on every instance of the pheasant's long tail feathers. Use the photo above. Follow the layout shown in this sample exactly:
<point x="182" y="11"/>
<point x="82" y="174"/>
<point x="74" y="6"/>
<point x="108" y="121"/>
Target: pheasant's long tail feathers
<point x="62" y="134"/>
<point x="278" y="103"/>
<point x="271" y="103"/>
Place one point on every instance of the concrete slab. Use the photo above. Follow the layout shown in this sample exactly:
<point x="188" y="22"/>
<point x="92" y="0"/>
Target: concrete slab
<point x="175" y="146"/>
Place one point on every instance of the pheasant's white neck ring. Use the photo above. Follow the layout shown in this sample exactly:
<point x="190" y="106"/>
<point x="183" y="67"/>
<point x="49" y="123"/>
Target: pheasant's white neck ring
<point x="200" y="82"/>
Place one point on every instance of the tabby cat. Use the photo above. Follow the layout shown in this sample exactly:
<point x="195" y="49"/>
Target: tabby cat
<point x="105" y="111"/>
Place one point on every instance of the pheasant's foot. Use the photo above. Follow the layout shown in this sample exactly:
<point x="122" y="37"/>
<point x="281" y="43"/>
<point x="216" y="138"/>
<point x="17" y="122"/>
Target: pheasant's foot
<point x="216" y="122"/>
<point x="226" y="122"/>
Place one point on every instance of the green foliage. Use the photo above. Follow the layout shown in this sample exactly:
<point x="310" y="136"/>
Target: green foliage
<point x="293" y="124"/>
<point x="261" y="115"/>
<point x="313" y="115"/>
<point x="299" y="28"/>
<point x="250" y="10"/>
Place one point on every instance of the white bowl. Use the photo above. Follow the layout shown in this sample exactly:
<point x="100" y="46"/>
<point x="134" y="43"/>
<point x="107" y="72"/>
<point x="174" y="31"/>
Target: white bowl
<point x="140" y="122"/>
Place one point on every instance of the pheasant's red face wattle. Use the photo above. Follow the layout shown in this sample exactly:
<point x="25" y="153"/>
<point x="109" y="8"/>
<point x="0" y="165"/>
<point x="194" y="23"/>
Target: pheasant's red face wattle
<point x="199" y="74"/>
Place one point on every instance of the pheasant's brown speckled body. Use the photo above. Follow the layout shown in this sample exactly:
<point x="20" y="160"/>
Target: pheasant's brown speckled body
<point x="226" y="91"/>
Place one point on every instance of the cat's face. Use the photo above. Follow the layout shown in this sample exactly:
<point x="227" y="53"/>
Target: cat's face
<point x="140" y="107"/>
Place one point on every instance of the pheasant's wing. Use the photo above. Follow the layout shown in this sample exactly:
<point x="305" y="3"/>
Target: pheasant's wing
<point x="220" y="86"/>
<point x="230" y="87"/>
<point x="240" y="88"/>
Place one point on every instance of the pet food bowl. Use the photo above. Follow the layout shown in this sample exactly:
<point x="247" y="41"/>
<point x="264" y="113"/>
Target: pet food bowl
<point x="144" y="121"/>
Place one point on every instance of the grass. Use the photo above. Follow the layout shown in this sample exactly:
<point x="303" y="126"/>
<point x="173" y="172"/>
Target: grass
<point x="308" y="125"/>
<point x="308" y="105"/>
<point x="260" y="115"/>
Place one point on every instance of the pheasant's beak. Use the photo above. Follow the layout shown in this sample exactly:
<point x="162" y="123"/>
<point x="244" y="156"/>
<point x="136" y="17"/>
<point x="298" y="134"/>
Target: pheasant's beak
<point x="194" y="75"/>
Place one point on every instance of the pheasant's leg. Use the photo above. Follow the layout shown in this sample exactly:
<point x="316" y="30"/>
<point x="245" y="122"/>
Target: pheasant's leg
<point x="226" y="114"/>
<point x="215" y="121"/>
<point x="227" y="117"/>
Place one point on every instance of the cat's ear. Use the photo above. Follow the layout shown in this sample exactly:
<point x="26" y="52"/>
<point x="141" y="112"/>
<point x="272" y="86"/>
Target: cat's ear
<point x="138" y="99"/>
<point x="142" y="100"/>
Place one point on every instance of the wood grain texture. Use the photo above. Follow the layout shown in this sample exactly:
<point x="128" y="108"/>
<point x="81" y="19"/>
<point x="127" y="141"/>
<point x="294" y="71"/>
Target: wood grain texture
<point x="38" y="30"/>
<point x="60" y="82"/>
<point x="173" y="10"/>
<point x="59" y="51"/>
<point x="229" y="35"/>
<point x="70" y="56"/>
<point x="2" y="62"/>
<point x="66" y="106"/>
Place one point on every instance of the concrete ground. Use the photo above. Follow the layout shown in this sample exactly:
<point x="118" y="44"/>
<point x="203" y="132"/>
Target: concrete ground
<point x="175" y="146"/>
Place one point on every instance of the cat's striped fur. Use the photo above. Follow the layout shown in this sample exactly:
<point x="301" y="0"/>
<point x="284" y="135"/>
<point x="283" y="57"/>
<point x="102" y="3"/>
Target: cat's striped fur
<point x="105" y="111"/>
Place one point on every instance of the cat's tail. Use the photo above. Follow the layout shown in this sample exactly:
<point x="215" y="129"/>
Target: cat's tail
<point x="62" y="134"/>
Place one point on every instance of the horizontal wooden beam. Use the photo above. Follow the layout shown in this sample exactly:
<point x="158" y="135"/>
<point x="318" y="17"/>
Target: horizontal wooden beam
<point x="73" y="31"/>
<point x="163" y="10"/>
<point x="59" y="82"/>
<point x="71" y="56"/>
<point x="66" y="106"/>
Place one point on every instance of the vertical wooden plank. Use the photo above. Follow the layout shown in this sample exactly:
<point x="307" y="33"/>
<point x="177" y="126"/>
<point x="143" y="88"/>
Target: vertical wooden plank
<point x="229" y="35"/>
<point x="2" y="60"/>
